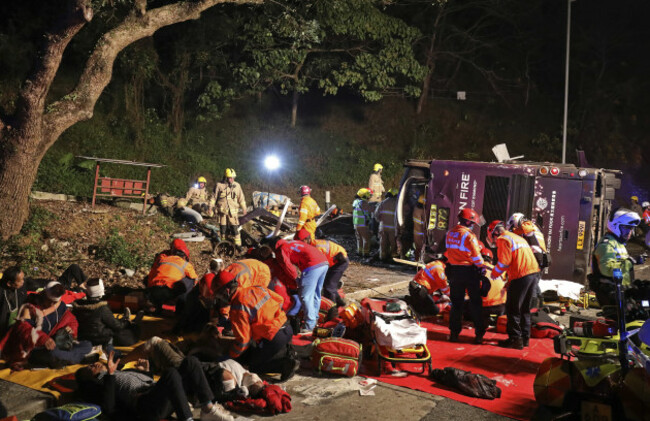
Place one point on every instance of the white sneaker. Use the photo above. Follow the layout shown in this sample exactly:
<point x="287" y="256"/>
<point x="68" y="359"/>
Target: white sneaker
<point x="217" y="413"/>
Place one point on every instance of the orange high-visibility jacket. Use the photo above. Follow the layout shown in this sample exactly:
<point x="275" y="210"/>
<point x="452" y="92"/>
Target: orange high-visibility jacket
<point x="494" y="297"/>
<point x="462" y="247"/>
<point x="646" y="216"/>
<point x="248" y="273"/>
<point x="256" y="314"/>
<point x="515" y="256"/>
<point x="167" y="270"/>
<point x="433" y="277"/>
<point x="330" y="249"/>
<point x="533" y="235"/>
<point x="309" y="210"/>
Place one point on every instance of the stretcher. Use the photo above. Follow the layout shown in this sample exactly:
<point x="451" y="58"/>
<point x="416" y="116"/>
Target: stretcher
<point x="397" y="337"/>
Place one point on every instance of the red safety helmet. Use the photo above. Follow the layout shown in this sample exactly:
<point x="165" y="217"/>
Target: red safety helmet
<point x="221" y="280"/>
<point x="470" y="215"/>
<point x="179" y="244"/>
<point x="486" y="252"/>
<point x="305" y="190"/>
<point x="490" y="231"/>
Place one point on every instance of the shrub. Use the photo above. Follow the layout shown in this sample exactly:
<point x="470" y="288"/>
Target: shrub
<point x="116" y="250"/>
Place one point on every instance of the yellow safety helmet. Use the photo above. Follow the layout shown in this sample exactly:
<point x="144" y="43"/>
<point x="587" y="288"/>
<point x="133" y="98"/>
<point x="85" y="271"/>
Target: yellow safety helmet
<point x="635" y="198"/>
<point x="377" y="167"/>
<point x="201" y="180"/>
<point x="421" y="199"/>
<point x="364" y="193"/>
<point x="230" y="173"/>
<point x="181" y="203"/>
<point x="392" y="192"/>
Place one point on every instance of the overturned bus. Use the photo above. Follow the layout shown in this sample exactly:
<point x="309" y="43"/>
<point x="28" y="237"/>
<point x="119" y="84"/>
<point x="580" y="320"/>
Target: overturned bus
<point x="570" y="204"/>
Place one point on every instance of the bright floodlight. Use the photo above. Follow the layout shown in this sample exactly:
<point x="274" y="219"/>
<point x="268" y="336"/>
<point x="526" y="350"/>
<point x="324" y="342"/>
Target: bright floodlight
<point x="272" y="162"/>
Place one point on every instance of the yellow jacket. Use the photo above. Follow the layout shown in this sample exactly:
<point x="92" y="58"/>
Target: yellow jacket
<point x="309" y="210"/>
<point x="376" y="184"/>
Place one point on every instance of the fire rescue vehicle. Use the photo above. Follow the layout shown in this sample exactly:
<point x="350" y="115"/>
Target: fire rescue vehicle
<point x="570" y="204"/>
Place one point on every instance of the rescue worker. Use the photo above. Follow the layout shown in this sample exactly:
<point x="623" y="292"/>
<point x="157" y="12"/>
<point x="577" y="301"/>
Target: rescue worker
<point x="229" y="199"/>
<point x="527" y="229"/>
<point x="376" y="184"/>
<point x="309" y="210"/>
<point x="645" y="225"/>
<point x="257" y="318"/>
<point x="248" y="273"/>
<point x="171" y="275"/>
<point x="337" y="259"/>
<point x="464" y="270"/>
<point x="610" y="253"/>
<point x="494" y="300"/>
<point x="516" y="259"/>
<point x="419" y="227"/>
<point x="385" y="215"/>
<point x="361" y="211"/>
<point x="313" y="268"/>
<point x="634" y="205"/>
<point x="428" y="281"/>
<point x="198" y="197"/>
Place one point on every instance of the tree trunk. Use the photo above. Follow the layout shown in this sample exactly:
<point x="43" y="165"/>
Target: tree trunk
<point x="294" y="108"/>
<point x="431" y="62"/>
<point x="19" y="163"/>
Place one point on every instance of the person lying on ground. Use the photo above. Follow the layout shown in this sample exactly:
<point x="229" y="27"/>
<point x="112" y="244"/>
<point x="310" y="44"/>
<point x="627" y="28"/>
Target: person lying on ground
<point x="171" y="276"/>
<point x="45" y="332"/>
<point x="97" y="323"/>
<point x="134" y="393"/>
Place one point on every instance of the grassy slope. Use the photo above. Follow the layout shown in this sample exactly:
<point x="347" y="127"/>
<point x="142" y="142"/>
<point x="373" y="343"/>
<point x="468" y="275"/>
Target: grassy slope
<point x="334" y="146"/>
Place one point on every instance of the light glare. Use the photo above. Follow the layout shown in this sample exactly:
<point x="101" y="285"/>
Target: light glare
<point x="272" y="162"/>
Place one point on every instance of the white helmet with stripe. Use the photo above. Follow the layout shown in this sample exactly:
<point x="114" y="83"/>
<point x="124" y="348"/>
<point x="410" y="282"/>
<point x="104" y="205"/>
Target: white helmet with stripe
<point x="623" y="218"/>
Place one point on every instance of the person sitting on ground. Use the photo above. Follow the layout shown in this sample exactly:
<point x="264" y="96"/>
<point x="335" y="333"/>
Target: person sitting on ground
<point x="97" y="323"/>
<point x="171" y="276"/>
<point x="13" y="294"/>
<point x="131" y="394"/>
<point x="429" y="281"/>
<point x="257" y="319"/>
<point x="337" y="259"/>
<point x="45" y="332"/>
<point x="199" y="303"/>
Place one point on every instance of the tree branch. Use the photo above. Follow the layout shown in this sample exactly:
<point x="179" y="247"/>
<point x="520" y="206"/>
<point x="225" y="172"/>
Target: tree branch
<point x="78" y="105"/>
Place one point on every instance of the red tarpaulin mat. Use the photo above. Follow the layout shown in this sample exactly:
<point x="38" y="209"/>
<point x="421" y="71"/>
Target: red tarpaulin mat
<point x="513" y="370"/>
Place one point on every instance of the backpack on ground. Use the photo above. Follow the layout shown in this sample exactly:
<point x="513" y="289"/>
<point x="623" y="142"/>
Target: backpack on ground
<point x="70" y="412"/>
<point x="336" y="356"/>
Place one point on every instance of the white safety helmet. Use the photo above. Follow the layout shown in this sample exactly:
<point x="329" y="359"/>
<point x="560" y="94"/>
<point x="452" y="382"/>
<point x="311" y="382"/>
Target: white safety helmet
<point x="515" y="221"/>
<point x="622" y="217"/>
<point x="645" y="205"/>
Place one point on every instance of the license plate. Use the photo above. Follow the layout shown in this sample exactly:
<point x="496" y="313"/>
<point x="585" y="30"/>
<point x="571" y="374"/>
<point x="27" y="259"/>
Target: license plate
<point x="593" y="411"/>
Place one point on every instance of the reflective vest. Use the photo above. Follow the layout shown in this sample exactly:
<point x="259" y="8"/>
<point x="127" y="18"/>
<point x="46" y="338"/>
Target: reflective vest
<point x="360" y="216"/>
<point x="309" y="210"/>
<point x="533" y="235"/>
<point x="256" y="314"/>
<point x="330" y="249"/>
<point x="385" y="214"/>
<point x="494" y="297"/>
<point x="609" y="254"/>
<point x="248" y="273"/>
<point x="462" y="247"/>
<point x="515" y="257"/>
<point x="433" y="277"/>
<point x="167" y="270"/>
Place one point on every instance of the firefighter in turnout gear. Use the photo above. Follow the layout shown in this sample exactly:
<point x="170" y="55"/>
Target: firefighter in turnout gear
<point x="385" y="215"/>
<point x="229" y="199"/>
<point x="361" y="211"/>
<point x="419" y="228"/>
<point x="376" y="184"/>
<point x="516" y="259"/>
<point x="197" y="197"/>
<point x="309" y="210"/>
<point x="464" y="270"/>
<point x="610" y="253"/>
